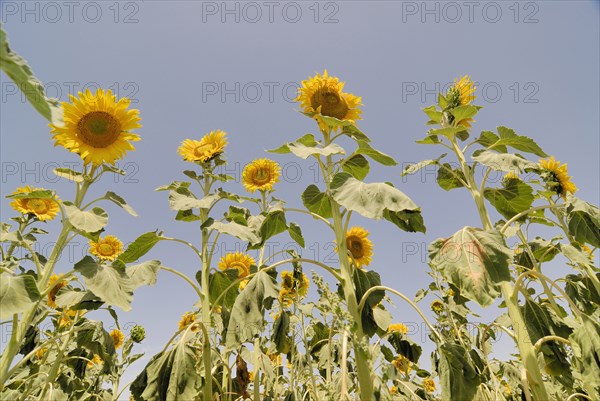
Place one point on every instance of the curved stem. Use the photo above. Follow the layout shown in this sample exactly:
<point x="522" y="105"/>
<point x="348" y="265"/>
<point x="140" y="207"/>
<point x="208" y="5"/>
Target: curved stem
<point x="361" y="305"/>
<point x="525" y="213"/>
<point x="545" y="339"/>
<point x="314" y="215"/>
<point x="183" y="276"/>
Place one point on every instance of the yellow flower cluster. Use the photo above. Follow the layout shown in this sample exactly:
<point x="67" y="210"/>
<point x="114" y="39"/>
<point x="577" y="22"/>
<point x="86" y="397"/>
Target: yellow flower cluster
<point x="292" y="288"/>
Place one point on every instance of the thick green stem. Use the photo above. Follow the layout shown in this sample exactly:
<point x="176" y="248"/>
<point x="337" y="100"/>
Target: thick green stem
<point x="205" y="297"/>
<point x="526" y="348"/>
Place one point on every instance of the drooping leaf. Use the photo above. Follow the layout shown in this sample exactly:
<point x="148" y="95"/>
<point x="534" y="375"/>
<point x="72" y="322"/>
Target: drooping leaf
<point x="119" y="201"/>
<point x="458" y="377"/>
<point x="585" y="341"/>
<point x="141" y="246"/>
<point x="144" y="273"/>
<point x="584" y="222"/>
<point x="316" y="201"/>
<point x="296" y="234"/>
<point x="513" y="198"/>
<point x="358" y="166"/>
<point x="17" y="294"/>
<point x="506" y="162"/>
<point x="244" y="233"/>
<point x="475" y="261"/>
<point x="365" y="149"/>
<point x="109" y="283"/>
<point x="89" y="221"/>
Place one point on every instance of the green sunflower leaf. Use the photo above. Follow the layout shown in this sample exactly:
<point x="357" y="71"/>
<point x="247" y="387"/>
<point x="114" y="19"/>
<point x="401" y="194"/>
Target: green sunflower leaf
<point x="109" y="283"/>
<point x="503" y="161"/>
<point x="357" y="165"/>
<point x="89" y="221"/>
<point x="17" y="294"/>
<point x="316" y="201"/>
<point x="515" y="197"/>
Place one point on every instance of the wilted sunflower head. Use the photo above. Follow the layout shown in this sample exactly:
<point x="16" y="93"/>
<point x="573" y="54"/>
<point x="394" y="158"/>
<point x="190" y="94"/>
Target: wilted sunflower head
<point x="322" y="95"/>
<point x="437" y="306"/>
<point x="556" y="177"/>
<point x="118" y="337"/>
<point x="44" y="209"/>
<point x="207" y="148"/>
<point x="97" y="127"/>
<point x="107" y="248"/>
<point x="238" y="260"/>
<point x="360" y="246"/>
<point x="55" y="288"/>
<point x="260" y="175"/>
<point x="187" y="319"/>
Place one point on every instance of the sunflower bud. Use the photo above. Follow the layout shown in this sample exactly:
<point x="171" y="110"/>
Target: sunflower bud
<point x="138" y="334"/>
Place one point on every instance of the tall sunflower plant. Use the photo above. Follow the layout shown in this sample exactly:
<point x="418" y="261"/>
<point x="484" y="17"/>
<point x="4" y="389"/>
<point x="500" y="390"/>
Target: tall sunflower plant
<point x="55" y="348"/>
<point x="553" y="320"/>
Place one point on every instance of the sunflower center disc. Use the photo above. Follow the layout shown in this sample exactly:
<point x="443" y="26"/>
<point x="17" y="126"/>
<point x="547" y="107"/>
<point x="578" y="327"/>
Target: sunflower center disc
<point x="200" y="151"/>
<point x="99" y="129"/>
<point x="331" y="103"/>
<point x="355" y="247"/>
<point x="238" y="265"/>
<point x="106" y="249"/>
<point x="37" y="205"/>
<point x="262" y="176"/>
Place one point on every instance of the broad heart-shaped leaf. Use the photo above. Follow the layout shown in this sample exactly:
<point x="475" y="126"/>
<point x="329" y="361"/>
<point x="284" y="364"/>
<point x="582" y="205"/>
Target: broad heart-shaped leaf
<point x="357" y="165"/>
<point x="307" y="146"/>
<point x="141" y="246"/>
<point x="17" y="294"/>
<point x="273" y="224"/>
<point x="113" y="197"/>
<point x="109" y="283"/>
<point x="144" y="273"/>
<point x="236" y="230"/>
<point x="503" y="161"/>
<point x="296" y="234"/>
<point x="407" y="220"/>
<point x="91" y="335"/>
<point x="458" y="377"/>
<point x="585" y="342"/>
<point x="307" y="140"/>
<point x="218" y="282"/>
<point x="448" y="132"/>
<point x="369" y="200"/>
<point x="182" y="199"/>
<point x="449" y="178"/>
<point x="488" y="138"/>
<point x="584" y="221"/>
<point x="20" y="73"/>
<point x="77" y="299"/>
<point x="463" y="112"/>
<point x="365" y="149"/>
<point x="473" y="260"/>
<point x="89" y="221"/>
<point x="508" y="137"/>
<point x="316" y="201"/>
<point x="363" y="281"/>
<point x="434" y="115"/>
<point x="170" y="375"/>
<point x="246" y="318"/>
<point x="515" y="197"/>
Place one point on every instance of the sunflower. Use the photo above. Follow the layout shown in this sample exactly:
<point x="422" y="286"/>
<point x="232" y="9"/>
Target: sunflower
<point x="397" y="327"/>
<point x="260" y="175"/>
<point x="117" y="337"/>
<point x="67" y="317"/>
<point x="204" y="150"/>
<point x="359" y="246"/>
<point x="510" y="176"/>
<point x="239" y="261"/>
<point x="402" y="363"/>
<point x="41" y="352"/>
<point x="437" y="306"/>
<point x="322" y="95"/>
<point x="461" y="94"/>
<point x="97" y="127"/>
<point x="428" y="385"/>
<point x="393" y="390"/>
<point x="292" y="287"/>
<point x="96" y="360"/>
<point x="557" y="177"/>
<point x="187" y="319"/>
<point x="107" y="248"/>
<point x="43" y="208"/>
<point x="55" y="288"/>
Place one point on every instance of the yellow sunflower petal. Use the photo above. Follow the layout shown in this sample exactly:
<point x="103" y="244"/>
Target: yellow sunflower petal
<point x="107" y="248"/>
<point x="260" y="175"/>
<point x="238" y="260"/>
<point x="45" y="209"/>
<point x="559" y="179"/>
<point x="360" y="246"/>
<point x="207" y="148"/>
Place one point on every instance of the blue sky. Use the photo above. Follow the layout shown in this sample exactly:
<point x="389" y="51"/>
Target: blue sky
<point x="192" y="67"/>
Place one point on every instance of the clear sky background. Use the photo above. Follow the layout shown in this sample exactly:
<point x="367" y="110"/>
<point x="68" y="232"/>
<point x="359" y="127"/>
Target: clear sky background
<point x="193" y="66"/>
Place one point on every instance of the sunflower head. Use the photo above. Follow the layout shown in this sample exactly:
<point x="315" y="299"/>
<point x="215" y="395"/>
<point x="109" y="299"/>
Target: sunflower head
<point x="393" y="390"/>
<point x="97" y="127"/>
<point x="292" y="287"/>
<point x="41" y="352"/>
<point x="187" y="319"/>
<point x="118" y="337"/>
<point x="260" y="175"/>
<point x="461" y="93"/>
<point x="206" y="149"/>
<point x="397" y="328"/>
<point x="238" y="260"/>
<point x="556" y="177"/>
<point x="96" y="360"/>
<point x="107" y="248"/>
<point x="44" y="209"/>
<point x="322" y="95"/>
<point x="437" y="306"/>
<point x="360" y="246"/>
<point x="55" y="288"/>
<point x="67" y="317"/>
<point x="429" y="385"/>
<point x="402" y="364"/>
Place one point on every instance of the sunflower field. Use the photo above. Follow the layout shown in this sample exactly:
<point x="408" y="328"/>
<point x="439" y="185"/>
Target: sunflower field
<point x="288" y="326"/>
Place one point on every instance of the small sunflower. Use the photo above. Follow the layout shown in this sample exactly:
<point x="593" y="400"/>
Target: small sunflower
<point x="402" y="363"/>
<point x="393" y="390"/>
<point x="292" y="287"/>
<point x="204" y="150"/>
<point x="97" y="127"/>
<point x="55" y="288"/>
<point x="557" y="177"/>
<point x="43" y="208"/>
<point x="360" y="246"/>
<point x="437" y="306"/>
<point x="397" y="328"/>
<point x="66" y="318"/>
<point x="461" y="93"/>
<point x="107" y="248"/>
<point x="96" y="360"/>
<point x="322" y="95"/>
<point x="187" y="319"/>
<point x="429" y="385"/>
<point x="510" y="176"/>
<point x="117" y="337"/>
<point x="41" y="352"/>
<point x="260" y="175"/>
<point x="238" y="260"/>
